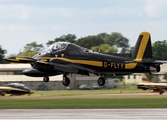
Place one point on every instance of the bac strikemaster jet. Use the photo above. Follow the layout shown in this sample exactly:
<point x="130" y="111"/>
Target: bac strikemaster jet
<point x="146" y="84"/>
<point x="67" y="58"/>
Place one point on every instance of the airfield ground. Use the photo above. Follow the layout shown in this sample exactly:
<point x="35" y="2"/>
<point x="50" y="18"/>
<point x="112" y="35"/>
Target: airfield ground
<point x="84" y="99"/>
<point x="118" y="95"/>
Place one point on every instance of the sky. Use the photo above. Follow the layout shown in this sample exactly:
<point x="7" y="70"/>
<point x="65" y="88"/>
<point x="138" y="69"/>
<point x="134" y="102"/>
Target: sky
<point x="26" y="21"/>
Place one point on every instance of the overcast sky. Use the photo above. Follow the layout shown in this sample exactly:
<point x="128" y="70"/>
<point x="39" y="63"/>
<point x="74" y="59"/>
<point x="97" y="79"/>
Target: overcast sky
<point x="26" y="21"/>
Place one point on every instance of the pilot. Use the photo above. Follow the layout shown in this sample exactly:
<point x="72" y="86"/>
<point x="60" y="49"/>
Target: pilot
<point x="63" y="46"/>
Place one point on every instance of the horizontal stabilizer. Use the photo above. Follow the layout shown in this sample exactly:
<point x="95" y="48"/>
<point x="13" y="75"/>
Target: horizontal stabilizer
<point x="147" y="61"/>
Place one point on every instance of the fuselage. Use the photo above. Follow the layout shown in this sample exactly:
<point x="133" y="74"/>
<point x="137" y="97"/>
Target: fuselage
<point x="85" y="60"/>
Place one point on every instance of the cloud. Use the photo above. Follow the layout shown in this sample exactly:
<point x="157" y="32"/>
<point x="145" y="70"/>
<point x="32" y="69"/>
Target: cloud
<point x="23" y="16"/>
<point x="14" y="12"/>
<point x="16" y="28"/>
<point x="155" y="8"/>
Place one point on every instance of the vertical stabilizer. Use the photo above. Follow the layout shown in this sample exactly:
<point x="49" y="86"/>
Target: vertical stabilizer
<point x="143" y="48"/>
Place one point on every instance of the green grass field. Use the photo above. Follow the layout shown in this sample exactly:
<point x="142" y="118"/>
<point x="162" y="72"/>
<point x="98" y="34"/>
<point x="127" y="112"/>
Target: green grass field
<point x="83" y="103"/>
<point x="46" y="102"/>
<point x="83" y="92"/>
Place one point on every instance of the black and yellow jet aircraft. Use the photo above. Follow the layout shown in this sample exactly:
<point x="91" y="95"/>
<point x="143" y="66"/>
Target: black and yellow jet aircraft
<point x="68" y="58"/>
<point x="146" y="84"/>
<point x="15" y="89"/>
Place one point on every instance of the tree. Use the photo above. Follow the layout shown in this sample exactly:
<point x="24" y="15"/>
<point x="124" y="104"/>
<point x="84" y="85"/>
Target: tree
<point x="117" y="39"/>
<point x="159" y="49"/>
<point x="102" y="35"/>
<point x="2" y="52"/>
<point x="89" y="41"/>
<point x="66" y="38"/>
<point x="31" y="49"/>
<point x="106" y="48"/>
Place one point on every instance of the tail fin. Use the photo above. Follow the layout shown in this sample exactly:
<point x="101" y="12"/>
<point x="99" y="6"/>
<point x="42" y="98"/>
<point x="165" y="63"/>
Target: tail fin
<point x="143" y="48"/>
<point x="145" y="78"/>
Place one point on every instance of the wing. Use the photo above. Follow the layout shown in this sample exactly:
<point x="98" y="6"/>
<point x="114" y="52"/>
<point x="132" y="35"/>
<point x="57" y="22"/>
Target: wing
<point x="71" y="67"/>
<point x="19" y="59"/>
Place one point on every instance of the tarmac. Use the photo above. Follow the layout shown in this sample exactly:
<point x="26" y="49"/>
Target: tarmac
<point x="83" y="114"/>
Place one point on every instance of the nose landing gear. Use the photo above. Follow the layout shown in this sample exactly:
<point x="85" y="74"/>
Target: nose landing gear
<point x="46" y="79"/>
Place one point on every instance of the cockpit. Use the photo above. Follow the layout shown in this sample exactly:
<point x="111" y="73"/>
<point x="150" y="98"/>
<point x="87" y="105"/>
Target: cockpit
<point x="65" y="47"/>
<point x="55" y="47"/>
<point x="18" y="85"/>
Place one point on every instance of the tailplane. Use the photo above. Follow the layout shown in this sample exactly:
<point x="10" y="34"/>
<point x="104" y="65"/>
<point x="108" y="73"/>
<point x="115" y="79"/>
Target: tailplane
<point x="143" y="49"/>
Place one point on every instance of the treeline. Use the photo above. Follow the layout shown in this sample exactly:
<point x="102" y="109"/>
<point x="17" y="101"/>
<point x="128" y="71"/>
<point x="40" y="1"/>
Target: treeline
<point x="109" y="43"/>
<point x="113" y="43"/>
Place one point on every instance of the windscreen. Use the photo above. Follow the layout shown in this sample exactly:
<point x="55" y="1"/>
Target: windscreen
<point x="55" y="47"/>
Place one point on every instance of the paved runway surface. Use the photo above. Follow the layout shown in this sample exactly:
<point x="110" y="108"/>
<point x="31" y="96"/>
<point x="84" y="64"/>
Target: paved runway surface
<point x="80" y="114"/>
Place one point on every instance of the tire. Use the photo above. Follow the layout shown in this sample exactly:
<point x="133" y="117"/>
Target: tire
<point x="101" y="81"/>
<point x="161" y="92"/>
<point x="2" y="94"/>
<point x="66" y="81"/>
<point x="46" y="79"/>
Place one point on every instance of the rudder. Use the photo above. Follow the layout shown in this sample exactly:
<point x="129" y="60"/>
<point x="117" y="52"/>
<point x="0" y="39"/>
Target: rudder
<point x="143" y="48"/>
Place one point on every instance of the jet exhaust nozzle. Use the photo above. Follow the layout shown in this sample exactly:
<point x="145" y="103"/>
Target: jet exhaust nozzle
<point x="155" y="69"/>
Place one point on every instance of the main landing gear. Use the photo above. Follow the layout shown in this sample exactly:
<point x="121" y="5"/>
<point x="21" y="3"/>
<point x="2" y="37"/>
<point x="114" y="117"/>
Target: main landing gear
<point x="101" y="81"/>
<point x="66" y="80"/>
<point x="161" y="91"/>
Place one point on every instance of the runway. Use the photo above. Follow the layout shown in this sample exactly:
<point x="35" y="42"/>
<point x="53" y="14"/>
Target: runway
<point x="82" y="114"/>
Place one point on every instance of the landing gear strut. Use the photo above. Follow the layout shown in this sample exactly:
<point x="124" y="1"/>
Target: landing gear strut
<point x="46" y="79"/>
<point x="101" y="81"/>
<point x="66" y="80"/>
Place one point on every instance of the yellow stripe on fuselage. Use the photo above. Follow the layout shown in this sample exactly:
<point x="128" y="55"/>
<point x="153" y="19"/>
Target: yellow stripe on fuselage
<point x="130" y="65"/>
<point x="95" y="63"/>
<point x="142" y="46"/>
<point x="86" y="62"/>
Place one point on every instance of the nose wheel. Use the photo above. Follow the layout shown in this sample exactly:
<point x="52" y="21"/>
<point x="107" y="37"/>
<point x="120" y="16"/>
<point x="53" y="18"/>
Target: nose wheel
<point x="101" y="81"/>
<point x="46" y="79"/>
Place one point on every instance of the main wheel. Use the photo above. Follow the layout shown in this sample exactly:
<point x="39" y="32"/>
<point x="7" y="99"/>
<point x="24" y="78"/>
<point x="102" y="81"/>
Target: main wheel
<point x="66" y="81"/>
<point x="161" y="92"/>
<point x="46" y="79"/>
<point x="101" y="81"/>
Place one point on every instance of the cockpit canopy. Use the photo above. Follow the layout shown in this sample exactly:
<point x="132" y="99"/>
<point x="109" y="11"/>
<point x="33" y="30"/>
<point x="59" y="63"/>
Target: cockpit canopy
<point x="18" y="85"/>
<point x="69" y="48"/>
<point x="55" y="47"/>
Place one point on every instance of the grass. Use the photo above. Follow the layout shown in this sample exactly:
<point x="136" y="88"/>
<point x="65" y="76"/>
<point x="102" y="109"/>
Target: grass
<point x="84" y="103"/>
<point x="84" y="92"/>
<point x="47" y="102"/>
